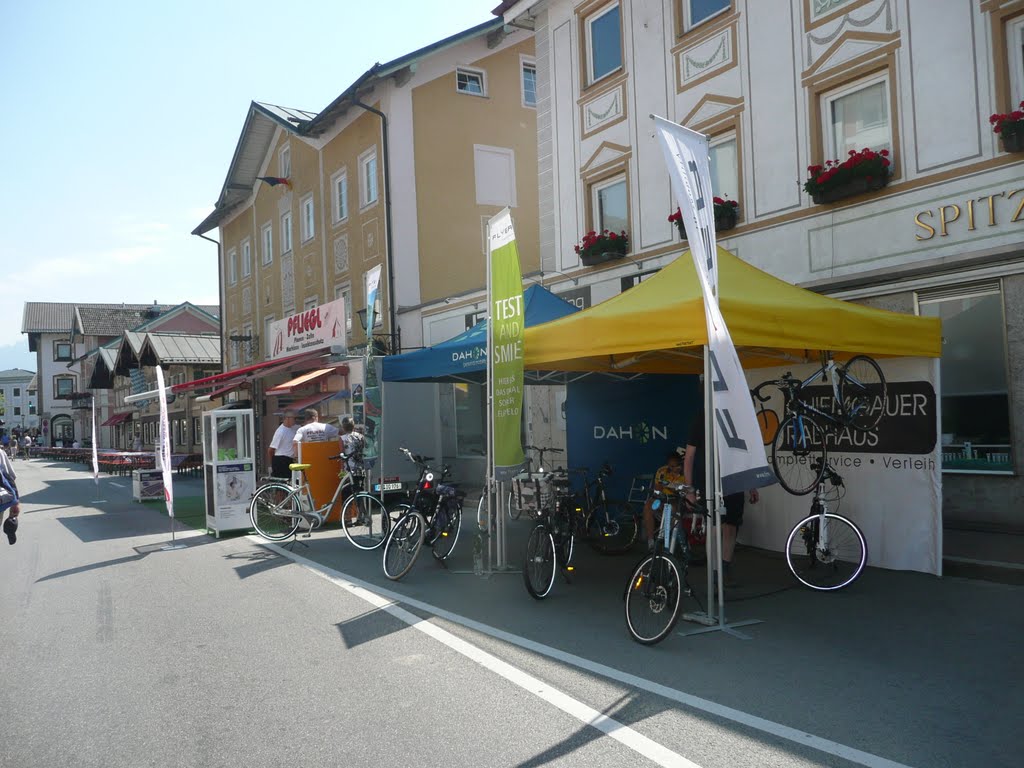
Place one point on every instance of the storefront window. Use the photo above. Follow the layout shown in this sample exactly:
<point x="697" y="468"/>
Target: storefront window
<point x="975" y="397"/>
<point x="470" y="420"/>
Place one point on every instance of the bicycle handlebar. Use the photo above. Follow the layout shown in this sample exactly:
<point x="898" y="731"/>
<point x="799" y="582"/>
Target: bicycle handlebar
<point x="787" y="382"/>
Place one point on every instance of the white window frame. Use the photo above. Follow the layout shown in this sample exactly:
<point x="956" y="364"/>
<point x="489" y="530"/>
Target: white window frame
<point x="527" y="62"/>
<point x="307" y="212"/>
<point x="365" y="201"/>
<point x="246" y="258"/>
<point x="588" y="25"/>
<point x="717" y="141"/>
<point x="339" y="195"/>
<point x="286" y="232"/>
<point x="267" y="232"/>
<point x="232" y="267"/>
<point x="344" y="290"/>
<point x="595" y="202"/>
<point x="310" y="303"/>
<point x="471" y="72"/>
<point x="247" y="331"/>
<point x="1015" y="59"/>
<point x="689" y="23"/>
<point x="847" y="89"/>
<point x="268" y="342"/>
<point x="284" y="162"/>
<point x="234" y="348"/>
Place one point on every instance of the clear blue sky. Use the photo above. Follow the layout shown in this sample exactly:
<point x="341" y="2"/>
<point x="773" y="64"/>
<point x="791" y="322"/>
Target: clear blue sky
<point x="121" y="117"/>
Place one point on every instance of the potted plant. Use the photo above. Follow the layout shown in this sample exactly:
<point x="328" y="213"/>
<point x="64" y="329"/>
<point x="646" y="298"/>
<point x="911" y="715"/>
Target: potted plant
<point x="860" y="172"/>
<point x="725" y="216"/>
<point x="599" y="247"/>
<point x="1010" y="128"/>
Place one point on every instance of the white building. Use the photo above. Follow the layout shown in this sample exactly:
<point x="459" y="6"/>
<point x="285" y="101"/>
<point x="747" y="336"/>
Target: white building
<point x="18" y="404"/>
<point x="781" y="85"/>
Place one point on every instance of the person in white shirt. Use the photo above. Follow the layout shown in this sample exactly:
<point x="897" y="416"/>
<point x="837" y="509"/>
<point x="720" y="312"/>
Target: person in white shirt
<point x="314" y="430"/>
<point x="282" y="446"/>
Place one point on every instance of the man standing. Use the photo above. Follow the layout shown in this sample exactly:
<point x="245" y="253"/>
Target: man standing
<point x="9" y="497"/>
<point x="352" y="444"/>
<point x="282" y="446"/>
<point x="314" y="430"/>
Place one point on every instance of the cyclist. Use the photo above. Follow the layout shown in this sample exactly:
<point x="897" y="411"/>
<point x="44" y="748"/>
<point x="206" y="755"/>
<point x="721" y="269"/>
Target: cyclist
<point x="671" y="473"/>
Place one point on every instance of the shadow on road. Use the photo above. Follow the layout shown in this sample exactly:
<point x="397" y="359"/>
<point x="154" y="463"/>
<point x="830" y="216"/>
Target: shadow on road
<point x="257" y="562"/>
<point x="369" y="626"/>
<point x="140" y="552"/>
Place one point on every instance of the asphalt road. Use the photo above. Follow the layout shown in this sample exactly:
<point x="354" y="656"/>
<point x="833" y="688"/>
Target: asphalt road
<point x="229" y="653"/>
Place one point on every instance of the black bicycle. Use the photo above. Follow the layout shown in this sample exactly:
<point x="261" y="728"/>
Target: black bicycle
<point x="549" y="546"/>
<point x="657" y="584"/>
<point x="799" y="450"/>
<point x="610" y="527"/>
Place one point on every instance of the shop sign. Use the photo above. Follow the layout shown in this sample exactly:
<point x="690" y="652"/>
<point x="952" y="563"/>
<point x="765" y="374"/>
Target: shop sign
<point x="578" y="297"/>
<point x="319" y="327"/>
<point x="988" y="211"/>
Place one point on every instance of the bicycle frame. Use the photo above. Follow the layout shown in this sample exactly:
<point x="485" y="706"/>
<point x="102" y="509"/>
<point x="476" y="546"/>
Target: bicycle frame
<point x="305" y="496"/>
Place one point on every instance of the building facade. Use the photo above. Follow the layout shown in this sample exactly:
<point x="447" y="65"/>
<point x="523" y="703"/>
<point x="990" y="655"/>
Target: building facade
<point x="18" y="401"/>
<point x="781" y="87"/>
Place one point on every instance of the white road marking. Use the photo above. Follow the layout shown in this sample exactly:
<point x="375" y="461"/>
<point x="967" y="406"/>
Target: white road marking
<point x="802" y="738"/>
<point x="117" y="485"/>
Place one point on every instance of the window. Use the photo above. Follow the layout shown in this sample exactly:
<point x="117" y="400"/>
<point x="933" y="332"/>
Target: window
<point x="62" y="428"/>
<point x="268" y="243"/>
<point x="234" y="349"/>
<point x="856" y="117"/>
<point x="308" y="226"/>
<point x="494" y="170"/>
<point x="610" y="209"/>
<point x="699" y="11"/>
<point x="725" y="166"/>
<point x="345" y="292"/>
<point x="17" y="392"/>
<point x="976" y="423"/>
<point x="286" y="232"/>
<point x="311" y="303"/>
<point x="529" y="80"/>
<point x="341" y="197"/>
<point x="368" y="178"/>
<point x="470" y="81"/>
<point x="284" y="162"/>
<point x="604" y="43"/>
<point x="268" y="340"/>
<point x="246" y="258"/>
<point x="61" y="350"/>
<point x="17" y="410"/>
<point x="196" y="430"/>
<point x="470" y="420"/>
<point x="63" y="386"/>
<point x="1015" y="56"/>
<point x="232" y="266"/>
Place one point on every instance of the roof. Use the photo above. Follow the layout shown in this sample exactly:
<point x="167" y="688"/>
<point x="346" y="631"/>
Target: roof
<point x="182" y="348"/>
<point x="95" y="319"/>
<point x="17" y="374"/>
<point x="47" y="317"/>
<point x="263" y="121"/>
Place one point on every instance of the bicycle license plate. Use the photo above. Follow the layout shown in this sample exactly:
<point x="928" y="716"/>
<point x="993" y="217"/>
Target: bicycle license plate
<point x="389" y="484"/>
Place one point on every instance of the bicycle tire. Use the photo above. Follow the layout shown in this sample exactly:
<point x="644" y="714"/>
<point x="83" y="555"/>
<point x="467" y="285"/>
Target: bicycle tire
<point x="799" y="465"/>
<point x="403" y="544"/>
<point x="862" y="390"/>
<point x="515" y="499"/>
<point x="653" y="599"/>
<point x="448" y="533"/>
<point x="275" y="516"/>
<point x="365" y="521"/>
<point x="540" y="563"/>
<point x="831" y="568"/>
<point x="613" y="528"/>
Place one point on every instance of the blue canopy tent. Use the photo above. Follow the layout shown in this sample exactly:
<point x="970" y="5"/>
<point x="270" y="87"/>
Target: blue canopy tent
<point x="464" y="357"/>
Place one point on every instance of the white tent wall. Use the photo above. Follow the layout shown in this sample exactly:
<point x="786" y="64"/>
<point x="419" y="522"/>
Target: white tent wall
<point x="893" y="480"/>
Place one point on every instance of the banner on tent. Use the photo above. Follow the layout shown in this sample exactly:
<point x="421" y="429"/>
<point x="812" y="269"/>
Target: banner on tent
<point x="505" y="358"/>
<point x="742" y="464"/>
<point x="892" y="474"/>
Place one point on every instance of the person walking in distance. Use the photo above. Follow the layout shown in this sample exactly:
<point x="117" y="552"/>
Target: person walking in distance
<point x="693" y="471"/>
<point x="282" y="446"/>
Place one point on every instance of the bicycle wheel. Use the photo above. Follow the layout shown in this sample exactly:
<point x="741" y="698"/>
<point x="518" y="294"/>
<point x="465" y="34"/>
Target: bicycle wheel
<point x="653" y="599"/>
<point x="828" y="556"/>
<point x="403" y="544"/>
<point x="539" y="567"/>
<point x="449" y="524"/>
<point x="798" y="454"/>
<point x="365" y="521"/>
<point x="862" y="389"/>
<point x="613" y="528"/>
<point x="515" y="501"/>
<point x="275" y="511"/>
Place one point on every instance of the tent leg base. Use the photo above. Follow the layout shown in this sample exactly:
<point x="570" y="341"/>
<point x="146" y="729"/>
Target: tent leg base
<point x="729" y="629"/>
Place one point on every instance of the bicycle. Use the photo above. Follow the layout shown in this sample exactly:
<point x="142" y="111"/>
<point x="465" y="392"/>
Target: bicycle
<point x="799" y="450"/>
<point x="826" y="551"/>
<point x="611" y="527"/>
<point x="657" y="584"/>
<point x="434" y="516"/>
<point x="525" y="494"/>
<point x="278" y="508"/>
<point x="549" y="545"/>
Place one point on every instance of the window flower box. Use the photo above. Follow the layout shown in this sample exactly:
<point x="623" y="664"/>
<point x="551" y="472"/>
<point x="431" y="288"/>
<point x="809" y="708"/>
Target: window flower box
<point x="861" y="172"/>
<point x="725" y="216"/>
<point x="1010" y="128"/>
<point x="601" y="247"/>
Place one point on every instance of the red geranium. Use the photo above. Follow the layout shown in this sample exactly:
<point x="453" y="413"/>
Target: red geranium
<point x="722" y="205"/>
<point x="1009" y="123"/>
<point x="602" y="242"/>
<point x="867" y="163"/>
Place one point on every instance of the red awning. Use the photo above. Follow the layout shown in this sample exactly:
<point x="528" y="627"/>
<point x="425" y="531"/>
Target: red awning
<point x="307" y="378"/>
<point x="222" y="383"/>
<point x="116" y="419"/>
<point x="312" y="400"/>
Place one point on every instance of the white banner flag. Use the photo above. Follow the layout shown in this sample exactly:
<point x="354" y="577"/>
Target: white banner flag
<point x="163" y="447"/>
<point x="741" y="458"/>
<point x="95" y="456"/>
<point x="372" y="287"/>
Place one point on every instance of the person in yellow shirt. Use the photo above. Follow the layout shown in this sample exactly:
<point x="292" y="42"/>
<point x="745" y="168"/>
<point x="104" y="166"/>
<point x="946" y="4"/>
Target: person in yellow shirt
<point x="671" y="473"/>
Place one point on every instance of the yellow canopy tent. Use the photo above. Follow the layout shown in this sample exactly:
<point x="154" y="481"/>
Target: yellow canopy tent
<point x="658" y="326"/>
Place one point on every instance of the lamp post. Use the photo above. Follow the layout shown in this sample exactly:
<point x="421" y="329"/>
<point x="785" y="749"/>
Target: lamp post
<point x="390" y="343"/>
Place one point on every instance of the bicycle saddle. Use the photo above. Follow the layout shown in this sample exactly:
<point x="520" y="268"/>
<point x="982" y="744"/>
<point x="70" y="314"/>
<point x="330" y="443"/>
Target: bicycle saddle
<point x="299" y="467"/>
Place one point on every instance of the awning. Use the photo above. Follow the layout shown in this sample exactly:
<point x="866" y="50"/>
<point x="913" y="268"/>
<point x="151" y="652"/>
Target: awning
<point x="310" y="401"/>
<point x="299" y="381"/>
<point x="116" y="419"/>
